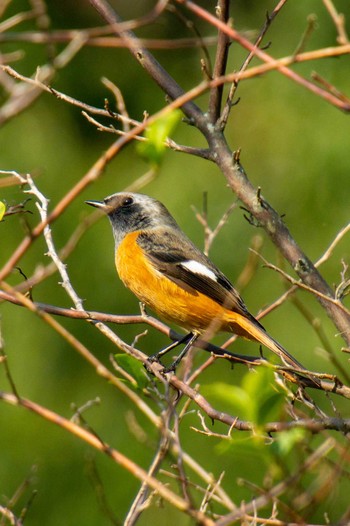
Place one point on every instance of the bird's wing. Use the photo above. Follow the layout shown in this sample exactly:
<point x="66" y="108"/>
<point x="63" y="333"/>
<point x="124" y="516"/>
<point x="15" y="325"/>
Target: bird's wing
<point x="188" y="267"/>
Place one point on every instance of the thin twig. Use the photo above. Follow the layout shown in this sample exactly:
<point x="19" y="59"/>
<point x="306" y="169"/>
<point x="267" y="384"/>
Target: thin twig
<point x="43" y="210"/>
<point x="141" y="501"/>
<point x="229" y="102"/>
<point x="339" y="22"/>
<point x="64" y="36"/>
<point x="265" y="57"/>
<point x="302" y="285"/>
<point x="215" y="98"/>
<point x="112" y="453"/>
<point x="24" y="95"/>
<point x="42" y="84"/>
<point x="277" y="490"/>
<point x="332" y="246"/>
<point x="12" y="295"/>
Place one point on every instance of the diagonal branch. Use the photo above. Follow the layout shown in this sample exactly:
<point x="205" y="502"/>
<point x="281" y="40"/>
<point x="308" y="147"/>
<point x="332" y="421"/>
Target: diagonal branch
<point x="262" y="55"/>
<point x="147" y="60"/>
<point x="215" y="100"/>
<point x="274" y="226"/>
<point x="118" y="457"/>
<point x="328" y="383"/>
<point x="231" y="168"/>
<point x="277" y="490"/>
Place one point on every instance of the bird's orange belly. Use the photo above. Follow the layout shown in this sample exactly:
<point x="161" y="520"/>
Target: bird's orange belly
<point x="187" y="308"/>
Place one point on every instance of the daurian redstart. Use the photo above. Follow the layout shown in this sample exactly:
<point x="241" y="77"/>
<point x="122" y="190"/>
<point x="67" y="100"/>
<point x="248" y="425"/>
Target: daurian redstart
<point x="165" y="270"/>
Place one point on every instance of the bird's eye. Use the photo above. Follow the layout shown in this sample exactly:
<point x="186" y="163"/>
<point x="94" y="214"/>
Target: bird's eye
<point x="127" y="201"/>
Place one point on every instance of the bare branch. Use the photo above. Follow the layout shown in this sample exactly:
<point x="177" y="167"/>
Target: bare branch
<point x="168" y="401"/>
<point x="282" y="68"/>
<point x="146" y="60"/>
<point x="222" y="12"/>
<point x="333" y="245"/>
<point x="270" y="495"/>
<point x="116" y="456"/>
<point x="339" y="22"/>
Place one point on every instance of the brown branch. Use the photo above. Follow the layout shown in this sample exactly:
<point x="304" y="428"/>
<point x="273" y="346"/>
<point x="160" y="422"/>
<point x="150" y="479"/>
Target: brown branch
<point x="215" y="99"/>
<point x="91" y="176"/>
<point x="233" y="171"/>
<point x="265" y="57"/>
<point x="13" y="296"/>
<point x="139" y="501"/>
<point x="229" y="102"/>
<point x="119" y="458"/>
<point x="339" y="22"/>
<point x="271" y="494"/>
<point x="313" y="425"/>
<point x="327" y="383"/>
<point x="146" y="60"/>
<point x="332" y="246"/>
<point x="22" y="98"/>
<point x="99" y="367"/>
<point x="319" y="295"/>
<point x="61" y="36"/>
<point x="342" y="102"/>
<point x="13" y="520"/>
<point x="279" y="233"/>
<point x="36" y="82"/>
<point x="121" y="386"/>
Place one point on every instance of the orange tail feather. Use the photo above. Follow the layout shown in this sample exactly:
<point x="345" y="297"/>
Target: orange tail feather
<point x="253" y="330"/>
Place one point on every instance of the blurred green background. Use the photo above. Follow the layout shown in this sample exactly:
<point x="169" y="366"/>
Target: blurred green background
<point x="294" y="146"/>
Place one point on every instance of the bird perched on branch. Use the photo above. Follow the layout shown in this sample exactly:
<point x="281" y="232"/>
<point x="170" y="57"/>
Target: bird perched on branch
<point x="166" y="271"/>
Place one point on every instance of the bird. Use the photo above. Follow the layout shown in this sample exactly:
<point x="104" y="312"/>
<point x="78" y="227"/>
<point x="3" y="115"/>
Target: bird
<point x="167" y="272"/>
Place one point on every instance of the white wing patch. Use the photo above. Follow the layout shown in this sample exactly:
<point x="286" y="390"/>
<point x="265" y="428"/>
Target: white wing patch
<point x="199" y="268"/>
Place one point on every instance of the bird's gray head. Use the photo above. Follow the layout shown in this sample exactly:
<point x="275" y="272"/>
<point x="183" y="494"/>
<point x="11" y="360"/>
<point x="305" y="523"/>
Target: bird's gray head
<point x="129" y="212"/>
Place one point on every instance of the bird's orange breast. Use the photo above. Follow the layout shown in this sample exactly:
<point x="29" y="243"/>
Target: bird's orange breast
<point x="185" y="307"/>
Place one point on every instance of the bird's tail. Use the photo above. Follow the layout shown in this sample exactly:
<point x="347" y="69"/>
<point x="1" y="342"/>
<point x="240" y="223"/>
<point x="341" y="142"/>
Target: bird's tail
<point x="251" y="329"/>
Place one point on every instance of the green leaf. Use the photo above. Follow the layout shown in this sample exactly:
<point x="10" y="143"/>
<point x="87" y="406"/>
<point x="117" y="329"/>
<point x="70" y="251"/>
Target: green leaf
<point x="257" y="399"/>
<point x="266" y="399"/>
<point x="286" y="441"/>
<point x="2" y="210"/>
<point x="247" y="449"/>
<point x="134" y="368"/>
<point x="236" y="399"/>
<point x="154" y="148"/>
<point x="270" y="408"/>
<point x="258" y="381"/>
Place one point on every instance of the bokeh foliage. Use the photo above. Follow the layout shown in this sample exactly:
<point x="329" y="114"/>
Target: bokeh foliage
<point x="294" y="146"/>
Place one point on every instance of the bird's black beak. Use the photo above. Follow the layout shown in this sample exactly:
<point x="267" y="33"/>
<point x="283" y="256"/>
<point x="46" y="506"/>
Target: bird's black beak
<point x="97" y="204"/>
